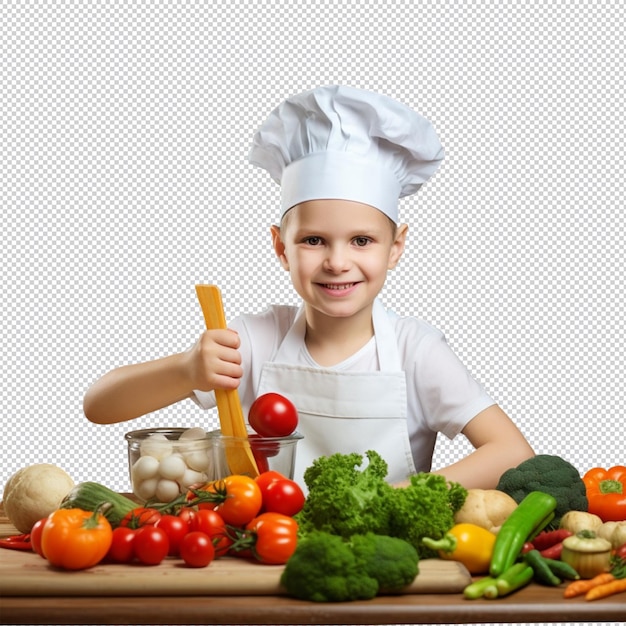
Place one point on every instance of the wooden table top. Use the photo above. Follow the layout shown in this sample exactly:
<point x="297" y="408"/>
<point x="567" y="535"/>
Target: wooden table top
<point x="534" y="603"/>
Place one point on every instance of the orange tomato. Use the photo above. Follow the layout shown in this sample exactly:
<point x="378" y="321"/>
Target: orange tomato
<point x="75" y="539"/>
<point x="236" y="498"/>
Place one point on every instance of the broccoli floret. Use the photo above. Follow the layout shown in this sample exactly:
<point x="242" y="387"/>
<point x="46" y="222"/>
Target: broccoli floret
<point x="324" y="569"/>
<point x="391" y="561"/>
<point x="344" y="498"/>
<point x="425" y="508"/>
<point x="550" y="474"/>
<point x="328" y="568"/>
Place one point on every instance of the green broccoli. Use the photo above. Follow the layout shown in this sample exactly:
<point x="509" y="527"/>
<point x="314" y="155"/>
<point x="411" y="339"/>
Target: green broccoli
<point x="425" y="508"/>
<point x="550" y="474"/>
<point x="324" y="569"/>
<point x="327" y="568"/>
<point x="345" y="499"/>
<point x="391" y="561"/>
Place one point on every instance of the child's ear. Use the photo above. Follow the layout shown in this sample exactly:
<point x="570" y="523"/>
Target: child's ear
<point x="279" y="247"/>
<point x="397" y="247"/>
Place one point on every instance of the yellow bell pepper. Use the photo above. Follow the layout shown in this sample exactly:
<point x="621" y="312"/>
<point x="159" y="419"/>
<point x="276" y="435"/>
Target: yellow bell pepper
<point x="468" y="544"/>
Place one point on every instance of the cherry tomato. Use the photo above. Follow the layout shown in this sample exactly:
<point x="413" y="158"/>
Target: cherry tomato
<point x="283" y="496"/>
<point x="121" y="550"/>
<point x="141" y="516"/>
<point x="265" y="478"/>
<point x="175" y="528"/>
<point x="187" y="514"/>
<point x="35" y="536"/>
<point x="151" y="545"/>
<point x="275" y="537"/>
<point x="211" y="523"/>
<point x="75" y="539"/>
<point x="196" y="549"/>
<point x="273" y="415"/>
<point x="238" y="499"/>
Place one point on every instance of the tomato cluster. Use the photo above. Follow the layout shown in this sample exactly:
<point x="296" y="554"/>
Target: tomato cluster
<point x="237" y="516"/>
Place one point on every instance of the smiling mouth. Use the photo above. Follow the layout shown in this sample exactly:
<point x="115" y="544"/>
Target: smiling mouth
<point x="338" y="286"/>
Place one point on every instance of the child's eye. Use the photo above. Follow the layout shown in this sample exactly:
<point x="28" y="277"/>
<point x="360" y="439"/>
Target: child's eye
<point x="361" y="241"/>
<point x="313" y="241"/>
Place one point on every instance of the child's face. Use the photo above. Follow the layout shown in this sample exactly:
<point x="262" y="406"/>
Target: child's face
<point x="337" y="253"/>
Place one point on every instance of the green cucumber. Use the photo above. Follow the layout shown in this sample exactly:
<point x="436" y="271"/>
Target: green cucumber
<point x="530" y="515"/>
<point x="88" y="496"/>
<point x="477" y="588"/>
<point x="514" y="578"/>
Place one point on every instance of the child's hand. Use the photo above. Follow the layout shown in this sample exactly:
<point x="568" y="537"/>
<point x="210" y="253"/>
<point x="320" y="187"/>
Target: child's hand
<point x="214" y="361"/>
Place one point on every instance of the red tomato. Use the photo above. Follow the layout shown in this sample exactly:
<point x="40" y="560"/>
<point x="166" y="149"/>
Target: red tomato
<point x="265" y="478"/>
<point x="238" y="499"/>
<point x="196" y="549"/>
<point x="75" y="539"/>
<point x="272" y="415"/>
<point x="275" y="537"/>
<point x="175" y="528"/>
<point x="35" y="536"/>
<point x="151" y="545"/>
<point x="121" y="550"/>
<point x="211" y="523"/>
<point x="283" y="496"/>
<point x="141" y="516"/>
<point x="187" y="514"/>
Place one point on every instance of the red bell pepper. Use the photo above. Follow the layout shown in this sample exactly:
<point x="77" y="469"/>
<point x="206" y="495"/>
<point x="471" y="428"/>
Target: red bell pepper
<point x="606" y="492"/>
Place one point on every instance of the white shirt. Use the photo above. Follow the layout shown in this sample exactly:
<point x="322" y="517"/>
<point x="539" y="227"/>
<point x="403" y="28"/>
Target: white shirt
<point x="442" y="395"/>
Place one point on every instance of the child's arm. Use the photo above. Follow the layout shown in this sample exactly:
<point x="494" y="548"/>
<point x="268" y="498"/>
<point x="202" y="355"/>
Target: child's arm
<point x="134" y="390"/>
<point x="499" y="445"/>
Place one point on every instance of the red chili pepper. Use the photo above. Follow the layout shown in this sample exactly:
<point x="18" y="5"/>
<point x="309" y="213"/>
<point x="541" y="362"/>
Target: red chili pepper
<point x="553" y="552"/>
<point x="527" y="547"/>
<point x="549" y="538"/>
<point x="16" y="542"/>
<point x="621" y="551"/>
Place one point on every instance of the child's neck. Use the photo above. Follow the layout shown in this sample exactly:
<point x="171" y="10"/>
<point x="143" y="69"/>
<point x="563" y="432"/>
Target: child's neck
<point x="331" y="340"/>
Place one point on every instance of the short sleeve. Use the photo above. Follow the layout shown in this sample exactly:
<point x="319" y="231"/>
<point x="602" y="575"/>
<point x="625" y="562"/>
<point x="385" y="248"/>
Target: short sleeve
<point x="446" y="395"/>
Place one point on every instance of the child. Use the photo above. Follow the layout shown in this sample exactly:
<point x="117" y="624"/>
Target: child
<point x="361" y="377"/>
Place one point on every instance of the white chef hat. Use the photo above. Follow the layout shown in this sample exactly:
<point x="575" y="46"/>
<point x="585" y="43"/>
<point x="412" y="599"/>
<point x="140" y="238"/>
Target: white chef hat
<point x="338" y="142"/>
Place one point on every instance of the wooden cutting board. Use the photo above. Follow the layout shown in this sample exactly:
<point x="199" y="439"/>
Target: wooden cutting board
<point x="28" y="574"/>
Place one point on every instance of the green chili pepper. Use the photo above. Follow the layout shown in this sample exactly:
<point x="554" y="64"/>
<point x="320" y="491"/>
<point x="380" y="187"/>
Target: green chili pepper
<point x="542" y="572"/>
<point x="562" y="569"/>
<point x="532" y="514"/>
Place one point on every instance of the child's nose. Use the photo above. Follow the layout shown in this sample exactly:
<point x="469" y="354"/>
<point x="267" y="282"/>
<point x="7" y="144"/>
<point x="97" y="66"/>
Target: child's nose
<point x="337" y="259"/>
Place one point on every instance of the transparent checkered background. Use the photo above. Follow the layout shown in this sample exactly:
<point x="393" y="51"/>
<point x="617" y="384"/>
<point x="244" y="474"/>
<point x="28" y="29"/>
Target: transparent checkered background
<point x="124" y="131"/>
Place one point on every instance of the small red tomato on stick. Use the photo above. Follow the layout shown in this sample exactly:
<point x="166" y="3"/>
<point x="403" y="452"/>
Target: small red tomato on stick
<point x="273" y="415"/>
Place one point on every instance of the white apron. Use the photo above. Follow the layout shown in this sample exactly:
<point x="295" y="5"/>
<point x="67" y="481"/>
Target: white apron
<point x="345" y="411"/>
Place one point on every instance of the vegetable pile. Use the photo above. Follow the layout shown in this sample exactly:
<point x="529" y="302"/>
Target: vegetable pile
<point x="551" y="537"/>
<point x="354" y="536"/>
<point x="237" y="516"/>
<point x="359" y="535"/>
<point x="346" y="499"/>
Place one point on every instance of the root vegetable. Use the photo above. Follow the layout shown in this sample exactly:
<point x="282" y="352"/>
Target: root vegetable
<point x="487" y="508"/>
<point x="575" y="521"/>
<point x="34" y="492"/>
<point x="614" y="532"/>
